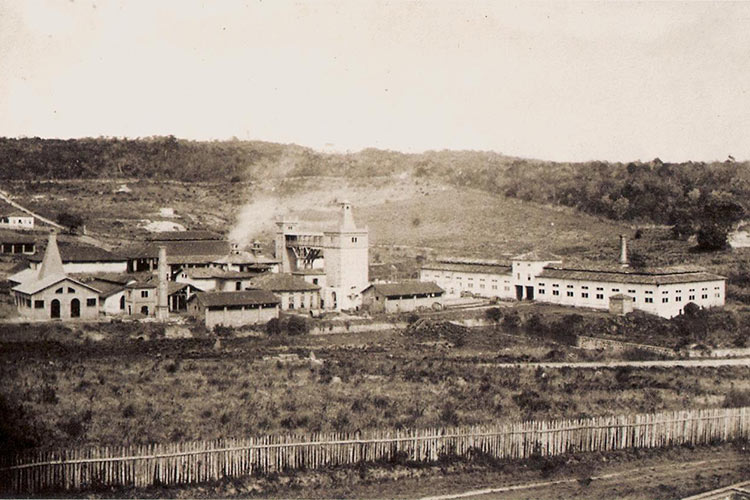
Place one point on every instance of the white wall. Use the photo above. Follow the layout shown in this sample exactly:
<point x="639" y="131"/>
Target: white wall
<point x="240" y="317"/>
<point x="478" y="283"/>
<point x="90" y="267"/>
<point x="667" y="300"/>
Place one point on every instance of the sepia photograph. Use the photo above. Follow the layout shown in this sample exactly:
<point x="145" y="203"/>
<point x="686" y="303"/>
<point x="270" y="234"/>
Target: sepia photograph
<point x="375" y="249"/>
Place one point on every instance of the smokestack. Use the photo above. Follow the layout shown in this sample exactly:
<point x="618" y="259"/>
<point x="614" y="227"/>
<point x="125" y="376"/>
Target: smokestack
<point x="162" y="300"/>
<point x="347" y="218"/>
<point x="623" y="251"/>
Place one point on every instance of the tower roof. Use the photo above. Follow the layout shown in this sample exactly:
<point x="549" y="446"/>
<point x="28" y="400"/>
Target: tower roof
<point x="52" y="262"/>
<point x="347" y="217"/>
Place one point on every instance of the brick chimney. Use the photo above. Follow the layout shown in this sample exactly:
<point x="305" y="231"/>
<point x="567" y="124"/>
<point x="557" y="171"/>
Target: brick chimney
<point x="162" y="299"/>
<point x="623" y="251"/>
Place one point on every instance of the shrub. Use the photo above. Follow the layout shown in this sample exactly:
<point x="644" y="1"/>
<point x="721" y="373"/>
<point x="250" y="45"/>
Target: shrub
<point x="273" y="327"/>
<point x="494" y="314"/>
<point x="223" y="331"/>
<point x="736" y="398"/>
<point x="512" y="319"/>
<point x="296" y="325"/>
<point x="128" y="411"/>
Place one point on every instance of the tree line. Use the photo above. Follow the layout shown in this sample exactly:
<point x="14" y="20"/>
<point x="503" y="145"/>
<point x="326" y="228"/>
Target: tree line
<point x="699" y="198"/>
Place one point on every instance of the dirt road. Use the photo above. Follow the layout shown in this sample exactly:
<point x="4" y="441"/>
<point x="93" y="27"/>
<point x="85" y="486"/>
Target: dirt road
<point x="635" y="364"/>
<point x="662" y="481"/>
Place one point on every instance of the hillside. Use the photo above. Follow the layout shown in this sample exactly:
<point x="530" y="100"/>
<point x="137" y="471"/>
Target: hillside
<point x="688" y="195"/>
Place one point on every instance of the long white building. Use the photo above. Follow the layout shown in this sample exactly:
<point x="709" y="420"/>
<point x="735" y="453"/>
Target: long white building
<point x="544" y="278"/>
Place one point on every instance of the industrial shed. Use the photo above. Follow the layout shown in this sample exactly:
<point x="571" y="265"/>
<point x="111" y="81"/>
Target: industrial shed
<point x="401" y="297"/>
<point x="234" y="308"/>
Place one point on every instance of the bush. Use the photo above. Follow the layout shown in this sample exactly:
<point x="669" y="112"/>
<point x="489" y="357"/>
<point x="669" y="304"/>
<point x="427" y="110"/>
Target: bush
<point x="273" y="327"/>
<point x="512" y="319"/>
<point x="296" y="325"/>
<point x="494" y="314"/>
<point x="223" y="331"/>
<point x="736" y="398"/>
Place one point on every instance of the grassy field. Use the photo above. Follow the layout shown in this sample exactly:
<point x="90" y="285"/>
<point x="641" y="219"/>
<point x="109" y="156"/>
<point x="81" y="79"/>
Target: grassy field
<point x="64" y="389"/>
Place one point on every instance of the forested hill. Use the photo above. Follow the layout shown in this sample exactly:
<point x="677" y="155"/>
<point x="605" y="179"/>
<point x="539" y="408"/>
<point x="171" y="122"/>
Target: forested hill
<point x="684" y="194"/>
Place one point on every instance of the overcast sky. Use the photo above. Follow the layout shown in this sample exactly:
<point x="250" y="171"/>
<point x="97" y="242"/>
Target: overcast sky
<point x="557" y="81"/>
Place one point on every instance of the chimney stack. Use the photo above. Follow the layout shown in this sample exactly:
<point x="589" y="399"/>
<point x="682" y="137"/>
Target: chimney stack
<point x="162" y="300"/>
<point x="623" y="251"/>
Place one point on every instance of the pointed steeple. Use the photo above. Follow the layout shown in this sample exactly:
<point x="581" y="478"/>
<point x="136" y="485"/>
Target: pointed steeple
<point x="347" y="218"/>
<point x="52" y="262"/>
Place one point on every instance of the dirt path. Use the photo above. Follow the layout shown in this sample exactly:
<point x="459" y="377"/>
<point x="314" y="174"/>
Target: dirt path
<point x="6" y="197"/>
<point x="661" y="481"/>
<point x="671" y="363"/>
<point x="82" y="238"/>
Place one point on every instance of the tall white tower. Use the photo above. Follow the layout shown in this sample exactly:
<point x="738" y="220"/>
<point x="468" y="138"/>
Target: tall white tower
<point x="345" y="252"/>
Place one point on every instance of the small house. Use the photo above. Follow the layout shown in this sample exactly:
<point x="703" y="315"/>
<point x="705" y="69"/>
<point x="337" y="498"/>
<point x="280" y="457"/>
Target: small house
<point x="401" y="297"/>
<point x="294" y="292"/>
<point x="234" y="308"/>
<point x="141" y="297"/>
<point x="620" y="304"/>
<point x="17" y="220"/>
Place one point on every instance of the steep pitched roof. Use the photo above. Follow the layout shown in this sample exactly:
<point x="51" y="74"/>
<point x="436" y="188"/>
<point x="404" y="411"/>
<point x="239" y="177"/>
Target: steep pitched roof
<point x="243" y="298"/>
<point x="282" y="282"/>
<point x="24" y="275"/>
<point x="35" y="286"/>
<point x="51" y="262"/>
<point x="405" y="288"/>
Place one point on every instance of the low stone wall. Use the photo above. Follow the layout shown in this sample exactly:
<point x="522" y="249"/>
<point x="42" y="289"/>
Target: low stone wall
<point x="355" y="328"/>
<point x="585" y="342"/>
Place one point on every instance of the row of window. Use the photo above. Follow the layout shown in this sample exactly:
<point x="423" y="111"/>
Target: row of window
<point x="39" y="304"/>
<point x="648" y="300"/>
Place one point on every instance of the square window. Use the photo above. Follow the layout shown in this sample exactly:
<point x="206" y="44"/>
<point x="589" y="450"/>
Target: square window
<point x="144" y="294"/>
<point x="90" y="302"/>
<point x="38" y="304"/>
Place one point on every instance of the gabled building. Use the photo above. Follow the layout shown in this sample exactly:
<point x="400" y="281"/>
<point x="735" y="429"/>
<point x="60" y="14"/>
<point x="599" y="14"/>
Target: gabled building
<point x="402" y="297"/>
<point x="17" y="220"/>
<point x="234" y="309"/>
<point x="483" y="278"/>
<point x="85" y="259"/>
<point x="51" y="294"/>
<point x="212" y="278"/>
<point x="543" y="277"/>
<point x="13" y="243"/>
<point x="294" y="292"/>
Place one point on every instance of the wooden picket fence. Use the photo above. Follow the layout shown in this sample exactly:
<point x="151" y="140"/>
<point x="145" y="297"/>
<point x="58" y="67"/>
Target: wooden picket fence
<point x="196" y="462"/>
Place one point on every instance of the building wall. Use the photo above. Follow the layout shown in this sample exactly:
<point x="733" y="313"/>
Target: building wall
<point x="347" y="267"/>
<point x="90" y="267"/>
<point x="664" y="300"/>
<point x="299" y="300"/>
<point x="16" y="248"/>
<point x="376" y="302"/>
<point x="27" y="305"/>
<point x="247" y="315"/>
<point x="134" y="300"/>
<point x="479" y="283"/>
<point x="524" y="274"/>
<point x="111" y="305"/>
<point x="17" y="222"/>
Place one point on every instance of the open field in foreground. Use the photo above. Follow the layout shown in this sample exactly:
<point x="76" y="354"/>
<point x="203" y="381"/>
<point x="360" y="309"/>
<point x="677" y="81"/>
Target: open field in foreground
<point x="69" y="392"/>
